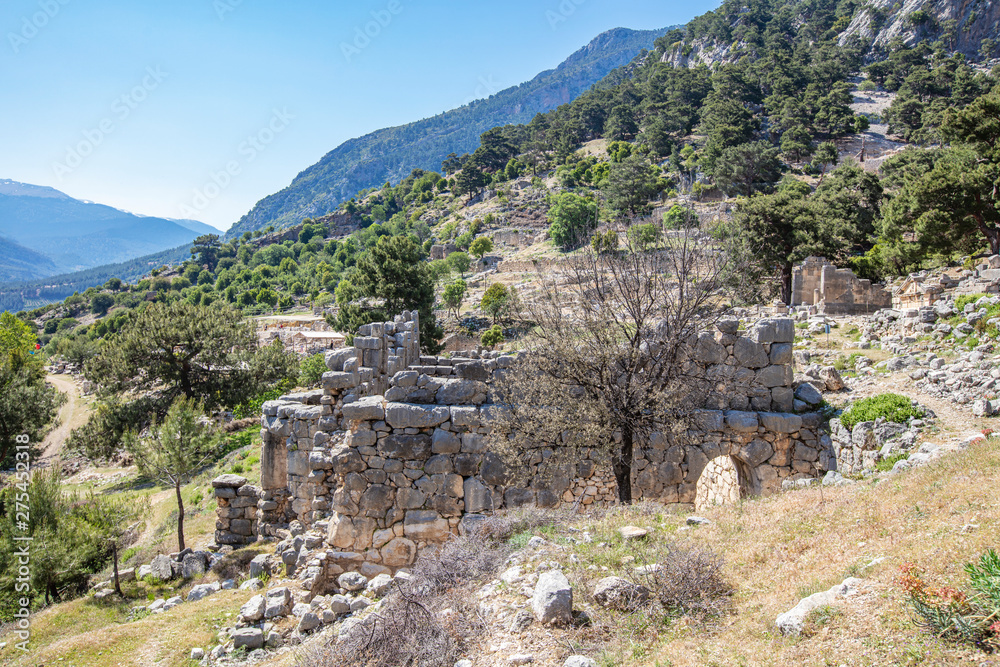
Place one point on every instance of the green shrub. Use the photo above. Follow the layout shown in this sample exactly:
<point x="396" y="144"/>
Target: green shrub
<point x="252" y="408"/>
<point x="867" y="86"/>
<point x="886" y="464"/>
<point x="962" y="301"/>
<point x="954" y="615"/>
<point x="311" y="370"/>
<point x="893" y="407"/>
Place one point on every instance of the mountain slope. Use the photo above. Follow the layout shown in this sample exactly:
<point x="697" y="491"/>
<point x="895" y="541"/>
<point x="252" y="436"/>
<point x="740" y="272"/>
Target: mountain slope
<point x="391" y="154"/>
<point x="21" y="293"/>
<point x="71" y="235"/>
<point x="20" y="263"/>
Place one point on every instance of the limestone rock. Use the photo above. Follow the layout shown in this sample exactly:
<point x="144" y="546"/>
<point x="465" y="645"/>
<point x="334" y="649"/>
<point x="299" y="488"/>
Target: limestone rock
<point x="335" y="358"/>
<point x="425" y="525"/>
<point x="352" y="581"/>
<point x="202" y="591"/>
<point x="231" y="481"/>
<point x="161" y="568"/>
<point x="279" y="602"/>
<point x="620" y="594"/>
<point x="792" y="621"/>
<point x="632" y="533"/>
<point x="552" y="602"/>
<point x="253" y="609"/>
<point x="369" y="408"/>
<point x="194" y="566"/>
<point x="249" y="638"/>
<point x="308" y="622"/>
<point x="379" y="585"/>
<point x="808" y="394"/>
<point x="832" y="378"/>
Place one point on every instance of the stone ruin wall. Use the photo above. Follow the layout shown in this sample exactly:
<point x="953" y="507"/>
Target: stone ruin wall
<point x="387" y="464"/>
<point x="817" y="282"/>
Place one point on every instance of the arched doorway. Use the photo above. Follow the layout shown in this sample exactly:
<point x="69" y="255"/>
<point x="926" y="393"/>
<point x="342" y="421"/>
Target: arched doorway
<point x="721" y="483"/>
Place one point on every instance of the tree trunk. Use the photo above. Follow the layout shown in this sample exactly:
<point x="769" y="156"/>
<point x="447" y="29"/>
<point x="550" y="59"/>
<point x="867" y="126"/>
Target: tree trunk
<point x="114" y="554"/>
<point x="786" y="283"/>
<point x="622" y="465"/>
<point x="180" y="517"/>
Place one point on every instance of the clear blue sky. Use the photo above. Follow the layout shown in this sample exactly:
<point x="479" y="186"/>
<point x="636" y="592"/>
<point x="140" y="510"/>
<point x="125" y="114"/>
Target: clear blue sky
<point x="137" y="103"/>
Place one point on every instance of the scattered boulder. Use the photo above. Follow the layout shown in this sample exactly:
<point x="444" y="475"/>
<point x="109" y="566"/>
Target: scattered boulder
<point x="253" y="609"/>
<point x="308" y="622"/>
<point x="279" y="602"/>
<point x="193" y="566"/>
<point x="808" y="394"/>
<point x="579" y="661"/>
<point x="379" y="585"/>
<point x="202" y="591"/>
<point x="832" y="378"/>
<point x="352" y="581"/>
<point x="792" y="621"/>
<point x="249" y="638"/>
<point x="552" y="602"/>
<point x="620" y="594"/>
<point x="632" y="533"/>
<point x="161" y="568"/>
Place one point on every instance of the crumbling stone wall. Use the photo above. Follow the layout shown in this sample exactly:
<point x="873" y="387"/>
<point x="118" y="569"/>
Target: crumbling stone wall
<point x="403" y="469"/>
<point x="236" y="515"/>
<point x="817" y="282"/>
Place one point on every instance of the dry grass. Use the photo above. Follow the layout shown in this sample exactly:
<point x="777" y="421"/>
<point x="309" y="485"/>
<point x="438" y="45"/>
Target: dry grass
<point x="788" y="546"/>
<point x="84" y="632"/>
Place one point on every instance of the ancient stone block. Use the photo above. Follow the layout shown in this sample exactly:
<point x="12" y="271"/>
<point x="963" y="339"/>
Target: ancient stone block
<point x="742" y="422"/>
<point x="755" y="452"/>
<point x="399" y="552"/>
<point x="376" y="500"/>
<point x="332" y="380"/>
<point x="405" y="447"/>
<point x="749" y="354"/>
<point x="402" y="415"/>
<point x="437" y="464"/>
<point x="366" y="409"/>
<point x="780" y="422"/>
<point x="518" y="497"/>
<point x="493" y="470"/>
<point x="445" y="442"/>
<point x="781" y="353"/>
<point x="425" y="526"/>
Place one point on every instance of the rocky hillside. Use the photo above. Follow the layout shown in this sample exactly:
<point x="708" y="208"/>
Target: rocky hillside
<point x="961" y="24"/>
<point x="392" y="153"/>
<point x="731" y="31"/>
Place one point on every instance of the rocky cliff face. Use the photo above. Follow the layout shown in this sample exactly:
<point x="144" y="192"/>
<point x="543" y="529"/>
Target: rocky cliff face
<point x="961" y="24"/>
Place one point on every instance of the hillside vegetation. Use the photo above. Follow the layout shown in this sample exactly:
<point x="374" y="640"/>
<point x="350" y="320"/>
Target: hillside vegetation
<point x="731" y="129"/>
<point x="390" y="154"/>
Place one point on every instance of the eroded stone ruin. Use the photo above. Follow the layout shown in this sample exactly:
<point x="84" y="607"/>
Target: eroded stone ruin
<point x="391" y="455"/>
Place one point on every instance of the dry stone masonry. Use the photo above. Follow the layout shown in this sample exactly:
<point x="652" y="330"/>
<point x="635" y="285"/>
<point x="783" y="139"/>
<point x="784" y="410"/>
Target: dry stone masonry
<point x="817" y="282"/>
<point x="391" y="455"/>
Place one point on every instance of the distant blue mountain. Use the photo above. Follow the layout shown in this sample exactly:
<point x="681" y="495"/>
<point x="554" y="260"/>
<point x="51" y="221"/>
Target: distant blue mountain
<point x="71" y="235"/>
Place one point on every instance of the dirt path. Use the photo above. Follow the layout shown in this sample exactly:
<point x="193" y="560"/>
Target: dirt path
<point x="73" y="413"/>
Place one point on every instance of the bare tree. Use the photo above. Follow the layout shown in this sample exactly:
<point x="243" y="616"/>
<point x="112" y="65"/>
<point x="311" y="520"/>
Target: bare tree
<point x="605" y="362"/>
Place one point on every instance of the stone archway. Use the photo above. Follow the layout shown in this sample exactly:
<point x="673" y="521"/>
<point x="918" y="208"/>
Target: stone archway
<point x="722" y="482"/>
